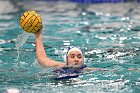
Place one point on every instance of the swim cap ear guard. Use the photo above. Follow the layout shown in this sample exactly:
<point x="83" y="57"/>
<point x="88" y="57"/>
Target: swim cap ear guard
<point x="65" y="57"/>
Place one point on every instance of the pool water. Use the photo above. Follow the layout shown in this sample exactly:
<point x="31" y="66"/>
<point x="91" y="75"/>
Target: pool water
<point x="109" y="35"/>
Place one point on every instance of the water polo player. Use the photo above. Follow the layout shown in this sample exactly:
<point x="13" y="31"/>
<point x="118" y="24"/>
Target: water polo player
<point x="70" y="69"/>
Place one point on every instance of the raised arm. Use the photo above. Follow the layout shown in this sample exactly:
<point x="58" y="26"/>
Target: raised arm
<point x="41" y="54"/>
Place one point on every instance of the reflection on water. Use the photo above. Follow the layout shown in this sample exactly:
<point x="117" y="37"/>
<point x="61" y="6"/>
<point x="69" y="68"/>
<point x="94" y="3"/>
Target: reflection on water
<point x="108" y="34"/>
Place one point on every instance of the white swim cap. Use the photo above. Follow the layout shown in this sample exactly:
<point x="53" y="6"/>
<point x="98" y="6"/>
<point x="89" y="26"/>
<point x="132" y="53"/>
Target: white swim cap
<point x="74" y="49"/>
<point x="70" y="50"/>
<point x="12" y="90"/>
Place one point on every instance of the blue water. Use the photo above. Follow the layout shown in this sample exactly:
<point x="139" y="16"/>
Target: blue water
<point x="109" y="35"/>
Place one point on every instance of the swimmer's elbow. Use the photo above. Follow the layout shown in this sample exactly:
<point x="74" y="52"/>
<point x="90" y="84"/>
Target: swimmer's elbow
<point x="42" y="62"/>
<point x="49" y="63"/>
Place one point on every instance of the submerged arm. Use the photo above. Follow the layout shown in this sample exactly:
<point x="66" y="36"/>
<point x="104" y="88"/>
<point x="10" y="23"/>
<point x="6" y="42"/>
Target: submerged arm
<point x="134" y="69"/>
<point x="88" y="69"/>
<point x="41" y="54"/>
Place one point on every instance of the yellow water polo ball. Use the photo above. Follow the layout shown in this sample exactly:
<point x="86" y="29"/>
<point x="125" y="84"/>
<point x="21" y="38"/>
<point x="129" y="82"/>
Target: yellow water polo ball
<point x="31" y="21"/>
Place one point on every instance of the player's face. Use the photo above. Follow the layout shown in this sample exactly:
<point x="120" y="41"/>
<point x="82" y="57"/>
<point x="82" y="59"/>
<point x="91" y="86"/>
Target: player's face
<point x="75" y="58"/>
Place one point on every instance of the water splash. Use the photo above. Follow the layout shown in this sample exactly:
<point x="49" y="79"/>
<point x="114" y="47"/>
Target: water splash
<point x="19" y="42"/>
